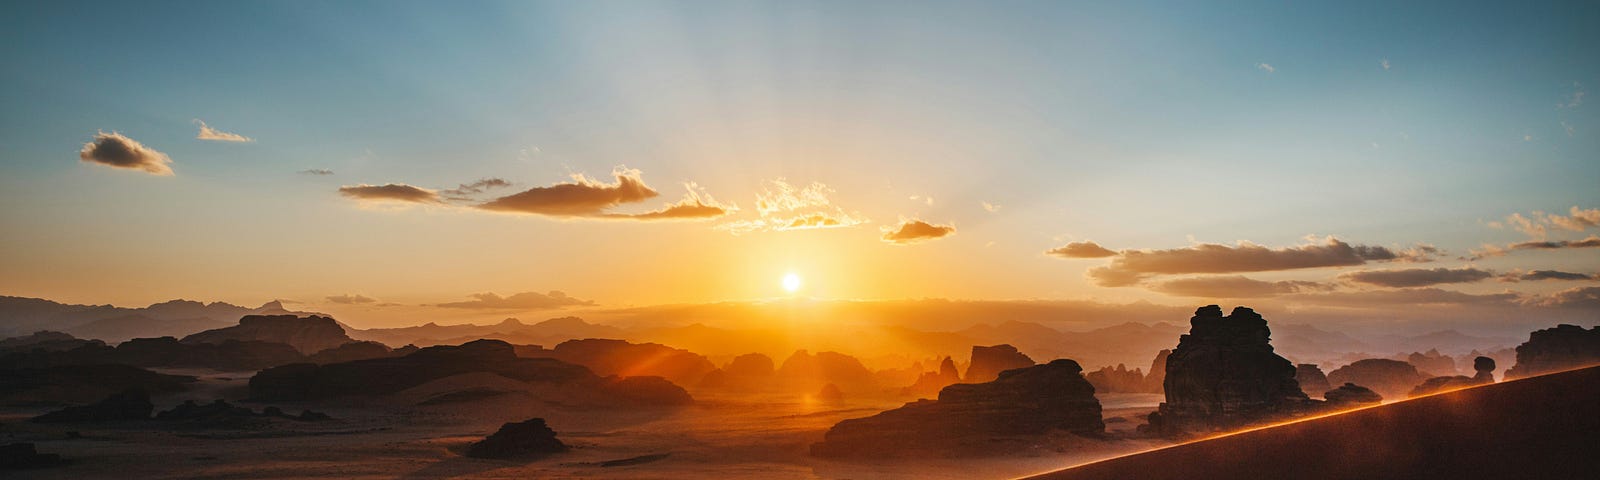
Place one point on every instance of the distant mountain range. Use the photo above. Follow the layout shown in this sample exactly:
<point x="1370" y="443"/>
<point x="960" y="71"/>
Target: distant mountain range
<point x="176" y="318"/>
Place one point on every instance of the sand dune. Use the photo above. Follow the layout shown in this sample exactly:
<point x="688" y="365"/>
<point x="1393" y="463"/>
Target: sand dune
<point x="1544" y="427"/>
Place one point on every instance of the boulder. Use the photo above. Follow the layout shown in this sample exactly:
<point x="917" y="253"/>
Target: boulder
<point x="529" y="437"/>
<point x="1351" y="395"/>
<point x="1551" y="350"/>
<point x="131" y="404"/>
<point x="310" y="334"/>
<point x="1311" y="379"/>
<point x="1485" y="369"/>
<point x="1224" y="375"/>
<point x="975" y="419"/>
<point x="988" y="362"/>
<point x="1390" y="378"/>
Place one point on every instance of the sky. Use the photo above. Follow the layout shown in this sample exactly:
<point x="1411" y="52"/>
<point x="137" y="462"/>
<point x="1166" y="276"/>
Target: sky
<point x="394" y="162"/>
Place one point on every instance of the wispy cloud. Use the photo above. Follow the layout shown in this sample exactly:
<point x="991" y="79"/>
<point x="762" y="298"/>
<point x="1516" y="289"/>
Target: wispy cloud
<point x="116" y="150"/>
<point x="990" y="207"/>
<point x="1266" y="67"/>
<point x="915" y="231"/>
<point x="1576" y="98"/>
<point x="208" y="133"/>
<point x="392" y="192"/>
<point x="520" y="301"/>
<point x="584" y="197"/>
<point x="316" y="171"/>
<point x="1233" y="286"/>
<point x="1132" y="266"/>
<point x="348" y="299"/>
<point x="1084" y="249"/>
<point x="780" y="207"/>
<point x="1385" y="63"/>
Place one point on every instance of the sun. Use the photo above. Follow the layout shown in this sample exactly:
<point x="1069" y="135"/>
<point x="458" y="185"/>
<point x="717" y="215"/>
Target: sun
<point x="791" y="282"/>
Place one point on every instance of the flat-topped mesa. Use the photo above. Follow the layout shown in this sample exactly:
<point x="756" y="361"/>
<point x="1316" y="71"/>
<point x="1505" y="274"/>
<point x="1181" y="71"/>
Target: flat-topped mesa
<point x="1224" y="375"/>
<point x="309" y="335"/>
<point x="1555" y="349"/>
<point x="988" y="362"/>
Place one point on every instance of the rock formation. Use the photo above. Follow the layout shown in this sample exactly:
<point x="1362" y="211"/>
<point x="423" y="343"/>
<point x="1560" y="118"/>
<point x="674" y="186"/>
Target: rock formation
<point x="1390" y="378"/>
<point x="78" y="384"/>
<point x="974" y="419"/>
<point x="1485" y="367"/>
<point x="44" y="340"/>
<point x="1432" y="363"/>
<point x="830" y="393"/>
<point x="621" y="358"/>
<point x="1351" y="395"/>
<point x="529" y="437"/>
<point x="1311" y="379"/>
<point x="1117" y="380"/>
<point x="382" y="376"/>
<point x="131" y="404"/>
<point x="805" y="372"/>
<point x="220" y="413"/>
<point x="1555" y="349"/>
<point x="988" y="362"/>
<point x="351" y="352"/>
<point x="17" y="456"/>
<point x="930" y="383"/>
<point x="1224" y="374"/>
<point x="1485" y="375"/>
<point x="1158" y="373"/>
<point x="309" y="334"/>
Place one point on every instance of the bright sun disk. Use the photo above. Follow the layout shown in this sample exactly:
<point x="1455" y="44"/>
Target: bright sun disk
<point x="791" y="282"/>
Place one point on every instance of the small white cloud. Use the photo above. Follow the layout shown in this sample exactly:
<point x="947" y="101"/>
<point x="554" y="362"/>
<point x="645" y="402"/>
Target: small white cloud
<point x="990" y="207"/>
<point x="1267" y="67"/>
<point x="208" y="133"/>
<point x="1568" y="127"/>
<point x="1527" y="138"/>
<point x="1385" y="63"/>
<point x="1576" y="98"/>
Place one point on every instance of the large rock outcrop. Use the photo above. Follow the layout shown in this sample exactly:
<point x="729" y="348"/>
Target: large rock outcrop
<point x="1224" y="375"/>
<point x="930" y="383"/>
<point x="988" y="362"/>
<point x="45" y="341"/>
<point x="78" y="384"/>
<point x="1311" y="379"/>
<point x="806" y="372"/>
<point x="975" y="419"/>
<point x="309" y="334"/>
<point x="1485" y="375"/>
<point x="132" y="404"/>
<point x="382" y="376"/>
<point x="162" y="352"/>
<point x="1117" y="380"/>
<point x="1156" y="379"/>
<point x="625" y="359"/>
<point x="1432" y="363"/>
<point x="1555" y="349"/>
<point x="1390" y="378"/>
<point x="528" y="437"/>
<point x="1351" y="395"/>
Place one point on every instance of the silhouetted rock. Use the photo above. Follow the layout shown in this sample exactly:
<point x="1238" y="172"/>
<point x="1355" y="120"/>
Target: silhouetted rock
<point x="1351" y="395"/>
<point x="382" y="376"/>
<point x="1311" y="379"/>
<point x="1117" y="380"/>
<point x="216" y="411"/>
<point x="308" y="335"/>
<point x="17" y="456"/>
<point x="1485" y="368"/>
<point x="1440" y="384"/>
<point x="1555" y="349"/>
<point x="529" y="437"/>
<point x="1155" y="380"/>
<point x="753" y="365"/>
<point x="351" y="352"/>
<point x="77" y="384"/>
<point x="132" y="404"/>
<point x="974" y="419"/>
<point x="988" y="362"/>
<point x="930" y="383"/>
<point x="807" y="373"/>
<point x="162" y="352"/>
<point x="1224" y="374"/>
<point x="619" y="357"/>
<point x="46" y="341"/>
<point x="830" y="393"/>
<point x="1432" y="363"/>
<point x="1390" y="378"/>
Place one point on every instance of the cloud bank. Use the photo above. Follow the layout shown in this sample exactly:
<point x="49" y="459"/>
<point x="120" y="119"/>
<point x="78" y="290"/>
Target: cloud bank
<point x="1131" y="266"/>
<point x="115" y="150"/>
<point x="1417" y="277"/>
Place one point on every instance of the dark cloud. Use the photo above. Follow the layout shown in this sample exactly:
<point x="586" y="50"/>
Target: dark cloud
<point x="1418" y="277"/>
<point x="1232" y="286"/>
<point x="1538" y="275"/>
<point x="115" y="150"/>
<point x="524" y="301"/>
<point x="1404" y="297"/>
<point x="393" y="192"/>
<point x="913" y="231"/>
<point x="689" y="208"/>
<point x="463" y="191"/>
<point x="351" y="299"/>
<point x="583" y="197"/>
<point x="1081" y="250"/>
<point x="316" y="171"/>
<point x="1592" y="242"/>
<point x="1131" y="266"/>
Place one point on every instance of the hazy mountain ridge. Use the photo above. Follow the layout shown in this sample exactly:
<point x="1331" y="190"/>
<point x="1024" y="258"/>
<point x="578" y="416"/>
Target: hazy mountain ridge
<point x="177" y="318"/>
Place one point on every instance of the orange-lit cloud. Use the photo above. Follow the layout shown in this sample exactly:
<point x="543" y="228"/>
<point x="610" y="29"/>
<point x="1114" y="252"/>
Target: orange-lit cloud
<point x="351" y="299"/>
<point x="1131" y="266"/>
<point x="588" y="198"/>
<point x="696" y="204"/>
<point x="1232" y="286"/>
<point x="1081" y="250"/>
<point x="115" y="150"/>
<point x="1539" y="275"/>
<point x="1417" y="277"/>
<point x="783" y="207"/>
<point x="1593" y="241"/>
<point x="914" y="231"/>
<point x="208" y="133"/>
<point x="1538" y="224"/>
<point x="1578" y="297"/>
<point x="465" y="190"/>
<point x="393" y="192"/>
<point x="524" y="300"/>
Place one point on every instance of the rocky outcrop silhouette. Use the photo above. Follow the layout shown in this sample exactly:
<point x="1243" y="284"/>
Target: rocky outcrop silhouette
<point x="1351" y="395"/>
<point x="622" y="358"/>
<point x="46" y="341"/>
<point x="1311" y="379"/>
<point x="1390" y="378"/>
<point x="353" y="351"/>
<point x="1156" y="379"/>
<point x="974" y="418"/>
<point x="1555" y="349"/>
<point x="78" y="384"/>
<point x="830" y="393"/>
<point x="1432" y="363"/>
<point x="528" y="437"/>
<point x="1117" y="380"/>
<point x="988" y="362"/>
<point x="308" y="335"/>
<point x="131" y="404"/>
<point x="221" y="414"/>
<point x="930" y="383"/>
<point x="162" y="352"/>
<point x="750" y="371"/>
<point x="1485" y="369"/>
<point x="382" y="376"/>
<point x="22" y="455"/>
<point x="806" y="372"/>
<point x="1224" y="375"/>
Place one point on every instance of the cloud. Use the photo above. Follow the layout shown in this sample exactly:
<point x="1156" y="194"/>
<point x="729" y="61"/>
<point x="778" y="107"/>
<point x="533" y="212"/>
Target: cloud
<point x="1593" y="241"/>
<point x="914" y="231"/>
<point x="1576" y="99"/>
<point x="208" y="133"/>
<point x="990" y="207"/>
<point x="1130" y="266"/>
<point x="1578" y="220"/>
<point x="465" y="190"/>
<point x="1578" y="297"/>
<point x="1538" y="224"/>
<point x="524" y="301"/>
<point x="1232" y="286"/>
<point x="1538" y="275"/>
<point x="115" y="150"/>
<point x="1081" y="250"/>
<point x="316" y="171"/>
<point x="1266" y="67"/>
<point x="393" y="192"/>
<point x="782" y="207"/>
<point x="582" y="197"/>
<point x="1403" y="297"/>
<point x="1385" y="63"/>
<point x="351" y="299"/>
<point x="696" y="204"/>
<point x="1417" y="277"/>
